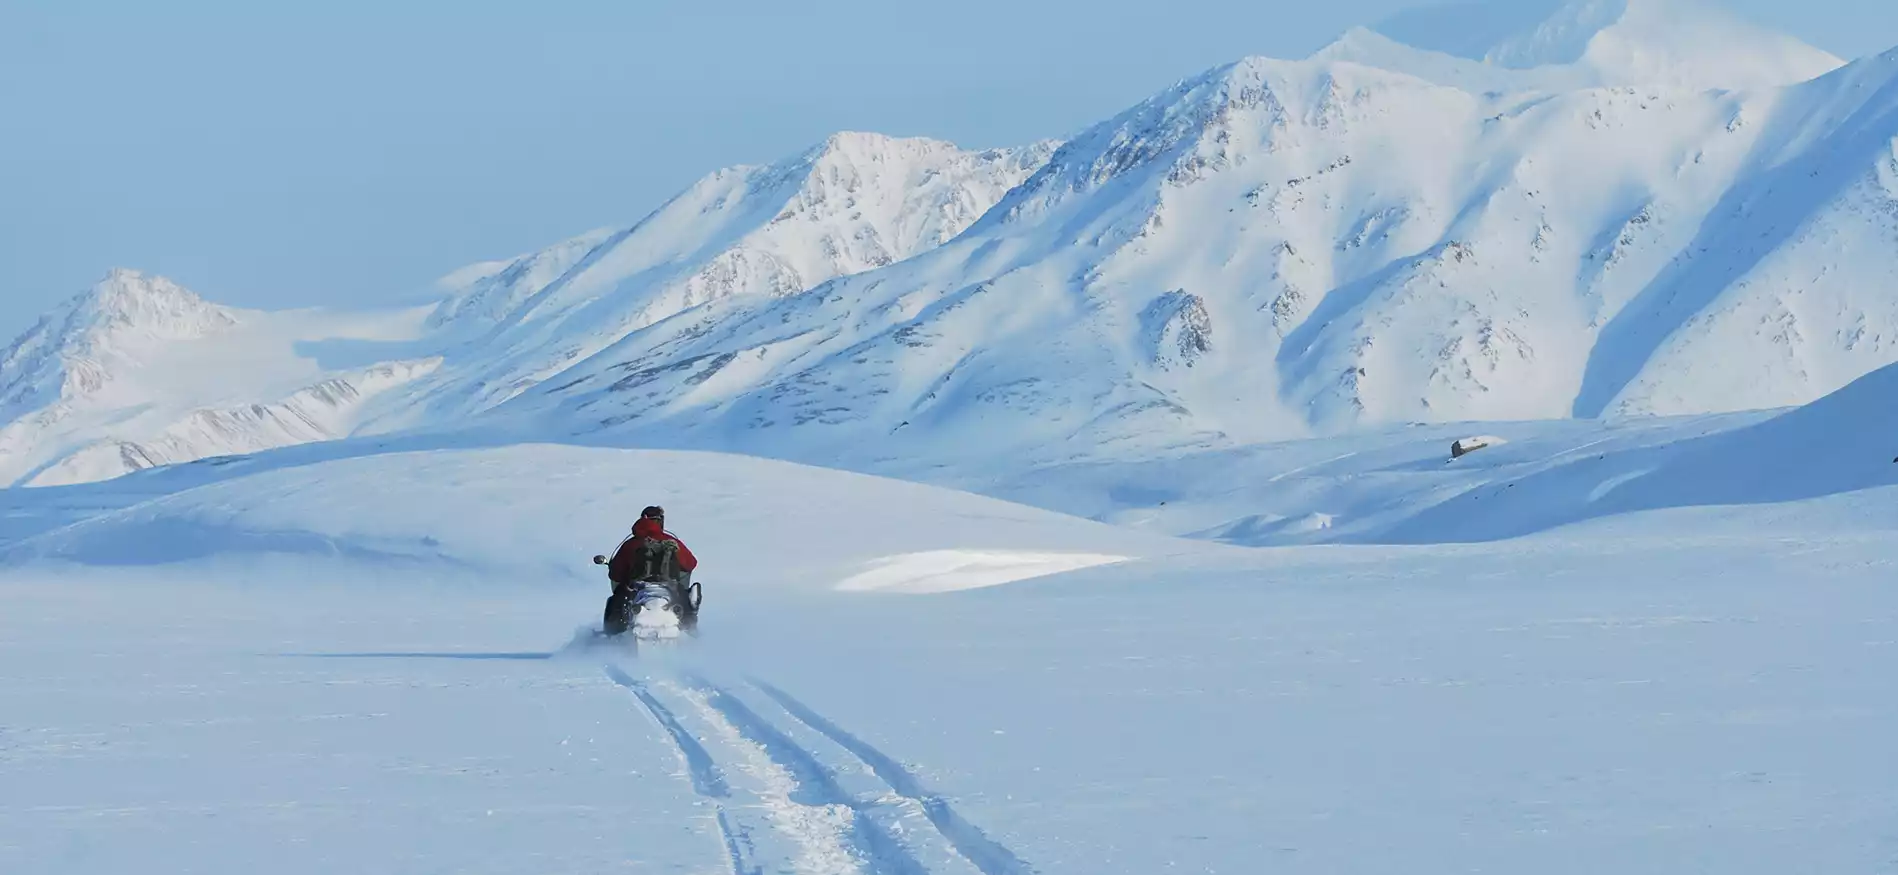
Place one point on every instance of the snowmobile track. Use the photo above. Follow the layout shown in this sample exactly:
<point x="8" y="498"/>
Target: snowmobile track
<point x="986" y="854"/>
<point x="810" y="795"/>
<point x="707" y="780"/>
<point x="881" y="852"/>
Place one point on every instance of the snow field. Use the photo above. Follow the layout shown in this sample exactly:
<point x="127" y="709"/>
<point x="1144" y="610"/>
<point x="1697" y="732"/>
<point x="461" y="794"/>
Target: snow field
<point x="1214" y="597"/>
<point x="1571" y="702"/>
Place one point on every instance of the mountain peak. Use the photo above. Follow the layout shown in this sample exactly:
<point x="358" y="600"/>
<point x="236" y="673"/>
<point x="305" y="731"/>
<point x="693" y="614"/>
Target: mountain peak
<point x="904" y="194"/>
<point x="864" y="143"/>
<point x="1686" y="43"/>
<point x="64" y="353"/>
<point x="849" y="152"/>
<point x="131" y="301"/>
<point x="1517" y="34"/>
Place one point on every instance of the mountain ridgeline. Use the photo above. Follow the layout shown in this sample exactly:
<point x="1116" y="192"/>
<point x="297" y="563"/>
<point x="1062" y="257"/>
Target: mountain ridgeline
<point x="1527" y="211"/>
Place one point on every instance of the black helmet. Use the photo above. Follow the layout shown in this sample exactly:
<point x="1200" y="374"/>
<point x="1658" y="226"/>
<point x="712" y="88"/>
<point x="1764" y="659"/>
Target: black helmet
<point x="654" y="512"/>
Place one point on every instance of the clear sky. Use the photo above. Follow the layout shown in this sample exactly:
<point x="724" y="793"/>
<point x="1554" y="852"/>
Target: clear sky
<point x="350" y="151"/>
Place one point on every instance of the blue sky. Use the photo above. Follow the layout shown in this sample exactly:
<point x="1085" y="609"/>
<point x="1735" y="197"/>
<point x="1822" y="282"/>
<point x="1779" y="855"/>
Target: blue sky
<point x="349" y="152"/>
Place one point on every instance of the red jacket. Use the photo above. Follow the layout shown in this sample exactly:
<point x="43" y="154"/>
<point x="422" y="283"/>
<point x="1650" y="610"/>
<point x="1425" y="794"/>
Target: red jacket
<point x="650" y="528"/>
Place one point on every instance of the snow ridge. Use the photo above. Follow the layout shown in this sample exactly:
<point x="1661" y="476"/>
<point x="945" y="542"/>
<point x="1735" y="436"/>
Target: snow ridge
<point x="853" y="203"/>
<point x="321" y="412"/>
<point x="139" y="371"/>
<point x="1372" y="246"/>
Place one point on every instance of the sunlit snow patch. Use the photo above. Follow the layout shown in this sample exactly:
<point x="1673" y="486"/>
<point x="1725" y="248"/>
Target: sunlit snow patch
<point x="951" y="570"/>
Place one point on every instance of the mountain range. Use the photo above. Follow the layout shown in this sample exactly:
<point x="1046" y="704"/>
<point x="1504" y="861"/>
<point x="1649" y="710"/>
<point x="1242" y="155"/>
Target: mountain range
<point x="1525" y="210"/>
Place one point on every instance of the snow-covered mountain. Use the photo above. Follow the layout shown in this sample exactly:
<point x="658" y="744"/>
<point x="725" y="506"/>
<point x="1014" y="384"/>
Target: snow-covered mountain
<point x="189" y="379"/>
<point x="1276" y="248"/>
<point x="1569" y="44"/>
<point x="140" y="372"/>
<point x="77" y="348"/>
<point x="1538" y="210"/>
<point x="853" y="203"/>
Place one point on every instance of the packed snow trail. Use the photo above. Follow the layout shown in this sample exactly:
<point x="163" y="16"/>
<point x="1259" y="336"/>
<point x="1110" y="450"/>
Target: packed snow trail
<point x="825" y="800"/>
<point x="975" y="846"/>
<point x="813" y="785"/>
<point x="707" y="780"/>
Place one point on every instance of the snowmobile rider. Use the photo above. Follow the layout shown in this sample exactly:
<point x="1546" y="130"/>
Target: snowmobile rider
<point x="651" y="524"/>
<point x="631" y="564"/>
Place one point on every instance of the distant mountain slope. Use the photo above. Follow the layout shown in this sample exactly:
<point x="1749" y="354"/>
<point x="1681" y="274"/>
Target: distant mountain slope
<point x="1585" y="43"/>
<point x="854" y="202"/>
<point x="194" y="379"/>
<point x="1785" y="290"/>
<point x="1485" y="213"/>
<point x="140" y="372"/>
<point x="1280" y="248"/>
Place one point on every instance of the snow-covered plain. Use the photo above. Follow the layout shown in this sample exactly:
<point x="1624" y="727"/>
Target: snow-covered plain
<point x="1552" y="706"/>
<point x="374" y="658"/>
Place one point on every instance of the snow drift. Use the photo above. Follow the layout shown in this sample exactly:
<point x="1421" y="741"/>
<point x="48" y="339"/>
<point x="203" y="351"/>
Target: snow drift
<point x="537" y="512"/>
<point x="1845" y="442"/>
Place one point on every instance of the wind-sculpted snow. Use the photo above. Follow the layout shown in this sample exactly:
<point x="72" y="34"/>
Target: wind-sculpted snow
<point x="521" y="506"/>
<point x="1844" y="443"/>
<point x="541" y="510"/>
<point x="950" y="570"/>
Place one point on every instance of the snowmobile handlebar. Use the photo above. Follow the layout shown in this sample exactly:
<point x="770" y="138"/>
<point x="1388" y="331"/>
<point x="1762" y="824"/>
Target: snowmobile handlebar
<point x="599" y="560"/>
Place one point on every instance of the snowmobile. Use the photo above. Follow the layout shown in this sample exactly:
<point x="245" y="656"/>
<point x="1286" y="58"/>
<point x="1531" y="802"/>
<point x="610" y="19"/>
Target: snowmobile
<point x="655" y="606"/>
